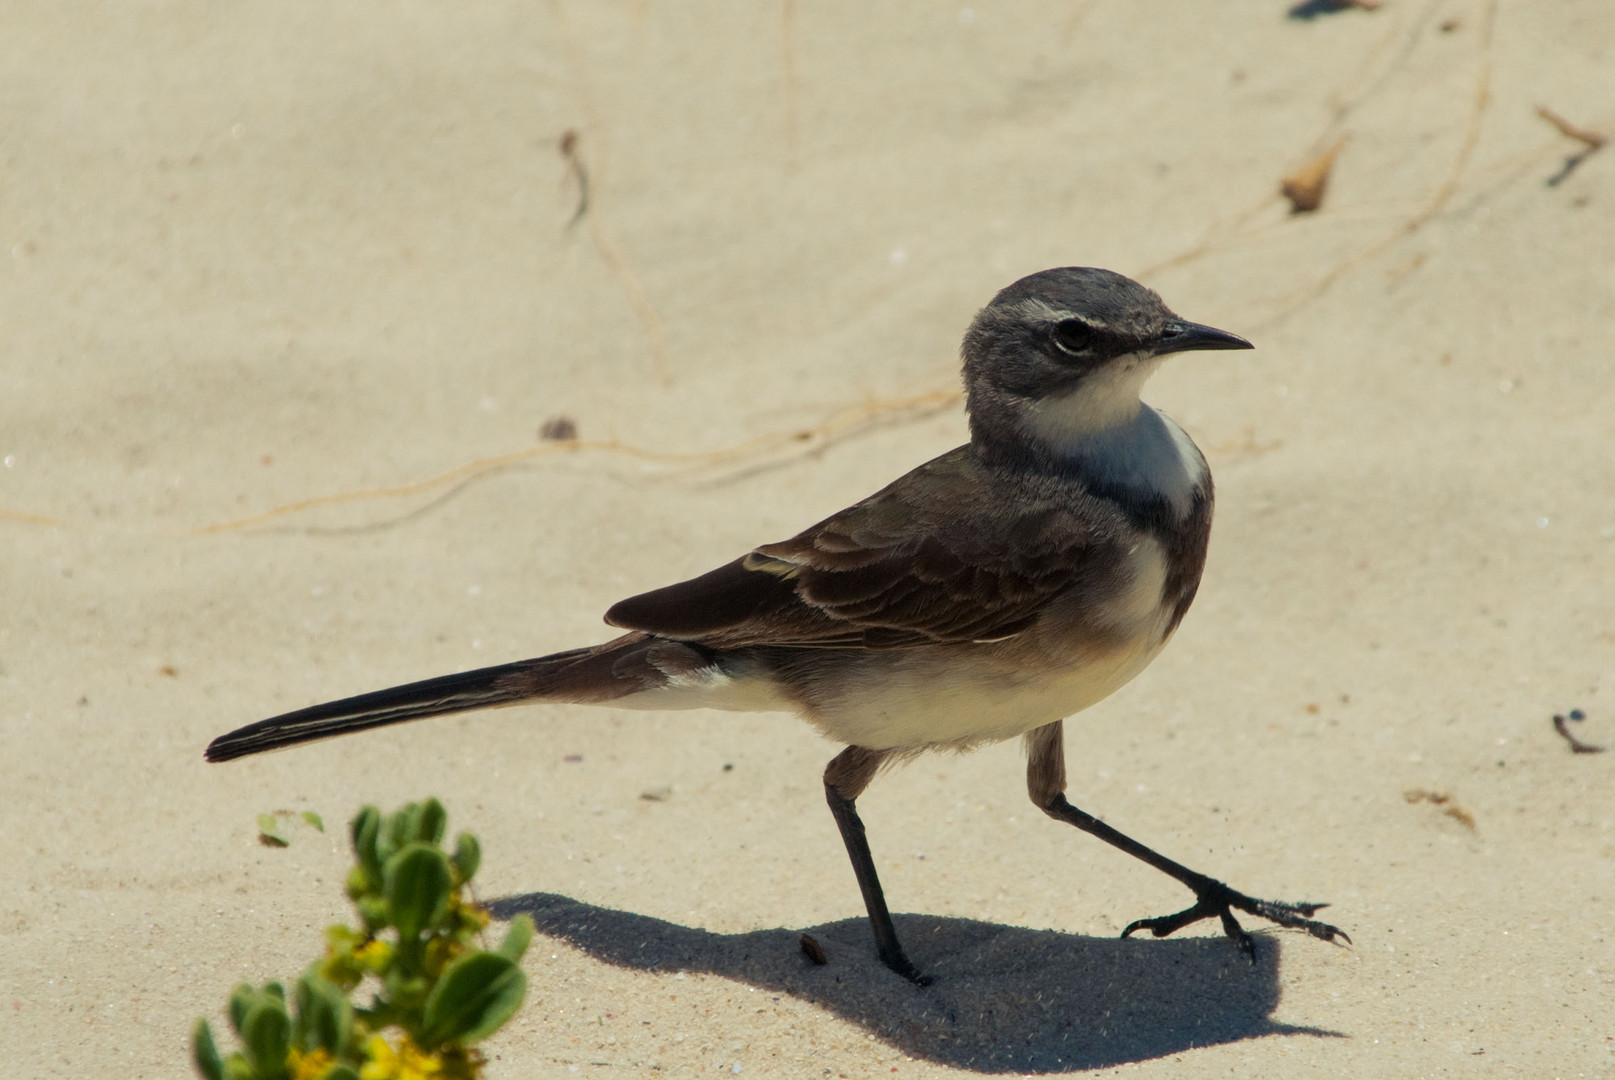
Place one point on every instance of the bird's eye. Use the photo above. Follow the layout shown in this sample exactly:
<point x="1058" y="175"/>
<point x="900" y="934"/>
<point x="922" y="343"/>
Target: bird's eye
<point x="1073" y="335"/>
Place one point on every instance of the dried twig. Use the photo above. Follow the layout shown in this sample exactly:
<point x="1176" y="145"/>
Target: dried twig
<point x="787" y="56"/>
<point x="627" y="280"/>
<point x="841" y="423"/>
<point x="575" y="168"/>
<point x="1592" y="139"/>
<point x="1445" y="801"/>
<point x="1443" y="193"/>
<point x="1310" y="9"/>
<point x="1590" y="142"/>
<point x="1576" y="745"/>
<point x="28" y="517"/>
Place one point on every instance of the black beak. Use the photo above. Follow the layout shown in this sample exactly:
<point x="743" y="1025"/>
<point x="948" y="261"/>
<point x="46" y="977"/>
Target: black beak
<point x="1180" y="335"/>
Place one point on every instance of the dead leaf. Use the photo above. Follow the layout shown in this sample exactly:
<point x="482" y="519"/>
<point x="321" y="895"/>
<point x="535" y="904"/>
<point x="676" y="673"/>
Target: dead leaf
<point x="1305" y="187"/>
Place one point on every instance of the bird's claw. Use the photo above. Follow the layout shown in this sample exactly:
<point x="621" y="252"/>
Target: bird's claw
<point x="899" y="964"/>
<point x="1216" y="899"/>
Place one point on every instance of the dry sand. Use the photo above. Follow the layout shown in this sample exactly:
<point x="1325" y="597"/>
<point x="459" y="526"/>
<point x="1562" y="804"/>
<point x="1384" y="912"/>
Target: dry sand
<point x="260" y="254"/>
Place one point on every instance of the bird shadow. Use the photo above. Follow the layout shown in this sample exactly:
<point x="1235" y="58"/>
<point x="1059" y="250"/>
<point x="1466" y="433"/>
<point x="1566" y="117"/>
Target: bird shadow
<point x="1004" y="998"/>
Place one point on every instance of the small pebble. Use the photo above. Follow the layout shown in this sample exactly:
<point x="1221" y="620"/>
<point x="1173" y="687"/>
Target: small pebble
<point x="558" y="429"/>
<point x="813" y="950"/>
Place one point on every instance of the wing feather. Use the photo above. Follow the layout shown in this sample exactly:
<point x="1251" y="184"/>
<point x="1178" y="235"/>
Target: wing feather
<point x="950" y="552"/>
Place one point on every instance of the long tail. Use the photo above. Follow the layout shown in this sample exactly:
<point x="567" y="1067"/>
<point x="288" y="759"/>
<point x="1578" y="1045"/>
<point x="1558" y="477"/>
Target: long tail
<point x="602" y="673"/>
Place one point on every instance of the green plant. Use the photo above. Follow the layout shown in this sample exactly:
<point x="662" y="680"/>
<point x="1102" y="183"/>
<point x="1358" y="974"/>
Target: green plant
<point x="272" y="827"/>
<point x="435" y="993"/>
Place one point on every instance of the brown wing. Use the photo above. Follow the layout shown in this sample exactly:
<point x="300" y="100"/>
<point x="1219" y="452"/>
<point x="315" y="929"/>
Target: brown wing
<point x="950" y="552"/>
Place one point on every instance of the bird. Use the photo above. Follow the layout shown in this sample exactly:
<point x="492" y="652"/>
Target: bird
<point x="987" y="594"/>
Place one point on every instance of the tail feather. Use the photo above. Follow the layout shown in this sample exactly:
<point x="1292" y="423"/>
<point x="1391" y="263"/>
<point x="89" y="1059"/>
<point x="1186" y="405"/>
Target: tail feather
<point x="602" y="673"/>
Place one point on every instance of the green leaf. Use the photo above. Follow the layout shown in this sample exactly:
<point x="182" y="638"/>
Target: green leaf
<point x="324" y="1015"/>
<point x="271" y="831"/>
<point x="431" y="822"/>
<point x="517" y="937"/>
<point x="267" y="1034"/>
<point x="477" y="993"/>
<point x="417" y="887"/>
<point x="365" y="830"/>
<point x="242" y="998"/>
<point x="358" y="882"/>
<point x="406" y="993"/>
<point x="339" y="1072"/>
<point x="313" y="819"/>
<point x="374" y="911"/>
<point x="398" y="830"/>
<point x="237" y="1067"/>
<point x="467" y="856"/>
<point x="204" y="1053"/>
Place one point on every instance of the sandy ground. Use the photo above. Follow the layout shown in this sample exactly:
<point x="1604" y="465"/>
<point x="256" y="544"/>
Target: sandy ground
<point x="270" y="274"/>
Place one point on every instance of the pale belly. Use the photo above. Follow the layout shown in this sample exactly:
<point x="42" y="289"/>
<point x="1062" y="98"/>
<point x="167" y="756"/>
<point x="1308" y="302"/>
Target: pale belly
<point x="935" y="697"/>
<point x="952" y="695"/>
<point x="938" y="699"/>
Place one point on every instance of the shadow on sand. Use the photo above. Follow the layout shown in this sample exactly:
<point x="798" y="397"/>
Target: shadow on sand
<point x="1005" y="999"/>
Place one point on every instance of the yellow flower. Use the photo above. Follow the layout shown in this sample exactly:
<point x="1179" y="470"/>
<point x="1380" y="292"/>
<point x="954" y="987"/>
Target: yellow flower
<point x="374" y="956"/>
<point x="477" y="912"/>
<point x="408" y="1062"/>
<point x="309" y="1066"/>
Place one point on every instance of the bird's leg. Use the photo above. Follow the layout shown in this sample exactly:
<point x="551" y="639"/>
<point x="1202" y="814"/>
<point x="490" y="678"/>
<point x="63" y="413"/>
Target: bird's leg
<point x="1045" y="782"/>
<point x="845" y="778"/>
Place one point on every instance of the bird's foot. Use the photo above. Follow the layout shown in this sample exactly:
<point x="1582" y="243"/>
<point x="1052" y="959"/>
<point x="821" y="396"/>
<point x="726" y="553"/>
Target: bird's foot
<point x="900" y="965"/>
<point x="1213" y="898"/>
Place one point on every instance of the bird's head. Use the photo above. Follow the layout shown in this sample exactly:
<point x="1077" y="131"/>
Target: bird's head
<point x="1059" y="357"/>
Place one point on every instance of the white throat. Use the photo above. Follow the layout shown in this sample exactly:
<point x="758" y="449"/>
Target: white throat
<point x="1104" y="400"/>
<point x="1103" y="428"/>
